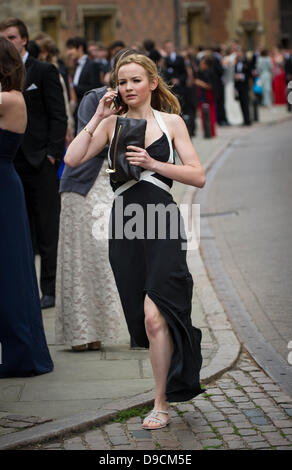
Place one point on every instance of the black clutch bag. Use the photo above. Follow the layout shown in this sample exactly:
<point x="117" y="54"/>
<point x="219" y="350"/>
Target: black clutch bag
<point x="128" y="131"/>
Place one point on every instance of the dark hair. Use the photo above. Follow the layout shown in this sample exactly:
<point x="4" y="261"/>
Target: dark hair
<point x="76" y="42"/>
<point x="12" y="70"/>
<point x="264" y="53"/>
<point x="149" y="44"/>
<point x="17" y="23"/>
<point x="117" y="44"/>
<point x="208" y="61"/>
<point x="217" y="49"/>
<point x="33" y="49"/>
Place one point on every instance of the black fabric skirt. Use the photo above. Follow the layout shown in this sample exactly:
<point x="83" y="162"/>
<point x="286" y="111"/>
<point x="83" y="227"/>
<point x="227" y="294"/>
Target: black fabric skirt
<point x="154" y="263"/>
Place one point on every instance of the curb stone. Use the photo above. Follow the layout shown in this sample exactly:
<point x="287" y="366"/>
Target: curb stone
<point x="73" y="424"/>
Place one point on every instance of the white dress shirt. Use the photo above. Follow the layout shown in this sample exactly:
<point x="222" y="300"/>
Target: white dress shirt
<point x="81" y="63"/>
<point x="24" y="58"/>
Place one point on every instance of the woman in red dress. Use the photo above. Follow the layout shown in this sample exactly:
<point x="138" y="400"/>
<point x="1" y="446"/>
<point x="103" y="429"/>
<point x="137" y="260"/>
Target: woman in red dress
<point x="279" y="82"/>
<point x="205" y="84"/>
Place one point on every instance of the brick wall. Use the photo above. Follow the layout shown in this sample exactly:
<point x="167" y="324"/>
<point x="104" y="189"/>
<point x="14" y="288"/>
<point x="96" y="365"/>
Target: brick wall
<point x="133" y="20"/>
<point x="217" y="31"/>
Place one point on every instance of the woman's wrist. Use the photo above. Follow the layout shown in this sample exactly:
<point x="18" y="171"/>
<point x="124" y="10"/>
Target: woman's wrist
<point x="93" y="123"/>
<point x="156" y="166"/>
<point x="98" y="116"/>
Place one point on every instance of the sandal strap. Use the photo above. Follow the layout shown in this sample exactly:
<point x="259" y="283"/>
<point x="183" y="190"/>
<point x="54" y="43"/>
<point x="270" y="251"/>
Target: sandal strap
<point x="156" y="420"/>
<point x="160" y="411"/>
<point x="153" y="416"/>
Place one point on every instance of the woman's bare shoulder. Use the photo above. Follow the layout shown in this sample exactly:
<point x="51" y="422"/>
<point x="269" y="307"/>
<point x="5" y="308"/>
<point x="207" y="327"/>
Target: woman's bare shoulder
<point x="174" y="122"/>
<point x="172" y="119"/>
<point x="8" y="98"/>
<point x="12" y="102"/>
<point x="13" y="110"/>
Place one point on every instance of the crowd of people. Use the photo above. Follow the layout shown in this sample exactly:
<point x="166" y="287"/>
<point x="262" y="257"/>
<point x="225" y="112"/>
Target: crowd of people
<point x="52" y="106"/>
<point x="225" y="78"/>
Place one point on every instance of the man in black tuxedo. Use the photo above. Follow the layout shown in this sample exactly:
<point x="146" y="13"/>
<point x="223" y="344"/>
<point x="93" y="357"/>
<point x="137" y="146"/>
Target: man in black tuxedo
<point x="219" y="88"/>
<point x="87" y="73"/>
<point x="42" y="146"/>
<point x="175" y="72"/>
<point x="242" y="74"/>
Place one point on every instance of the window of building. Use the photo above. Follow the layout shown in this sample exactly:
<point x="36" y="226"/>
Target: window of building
<point x="195" y="28"/>
<point x="50" y="25"/>
<point x="250" y="40"/>
<point x="286" y="23"/>
<point x="98" y="28"/>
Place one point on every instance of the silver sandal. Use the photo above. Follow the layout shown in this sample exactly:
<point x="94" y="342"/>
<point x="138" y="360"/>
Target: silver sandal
<point x="153" y="416"/>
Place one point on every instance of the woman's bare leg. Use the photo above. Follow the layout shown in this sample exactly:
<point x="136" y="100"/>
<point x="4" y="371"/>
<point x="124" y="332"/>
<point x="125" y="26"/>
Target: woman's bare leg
<point x="161" y="349"/>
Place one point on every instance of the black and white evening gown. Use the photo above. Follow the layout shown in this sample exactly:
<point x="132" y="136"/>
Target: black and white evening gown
<point x="156" y="266"/>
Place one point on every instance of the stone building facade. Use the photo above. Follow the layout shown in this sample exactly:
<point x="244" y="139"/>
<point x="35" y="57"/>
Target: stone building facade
<point x="198" y="22"/>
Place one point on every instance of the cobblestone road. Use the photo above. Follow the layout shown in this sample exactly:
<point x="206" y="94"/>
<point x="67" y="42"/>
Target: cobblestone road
<point x="243" y="409"/>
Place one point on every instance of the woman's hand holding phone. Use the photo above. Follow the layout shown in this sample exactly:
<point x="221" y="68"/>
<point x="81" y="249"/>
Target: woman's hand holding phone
<point x="118" y="99"/>
<point x="105" y="107"/>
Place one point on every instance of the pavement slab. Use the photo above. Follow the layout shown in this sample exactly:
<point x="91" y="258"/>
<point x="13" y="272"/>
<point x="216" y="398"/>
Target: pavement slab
<point x="196" y="425"/>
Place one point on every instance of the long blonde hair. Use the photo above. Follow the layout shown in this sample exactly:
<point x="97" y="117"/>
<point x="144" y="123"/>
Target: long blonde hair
<point x="162" y="98"/>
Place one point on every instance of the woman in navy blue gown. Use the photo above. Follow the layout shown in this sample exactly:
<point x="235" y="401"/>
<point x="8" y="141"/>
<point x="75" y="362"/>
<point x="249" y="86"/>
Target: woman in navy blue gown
<point x="23" y="347"/>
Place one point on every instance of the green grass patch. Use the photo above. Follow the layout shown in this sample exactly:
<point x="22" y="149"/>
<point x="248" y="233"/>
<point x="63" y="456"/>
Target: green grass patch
<point x="123" y="416"/>
<point x="236" y="431"/>
<point x="239" y="387"/>
<point x="207" y="395"/>
<point x="230" y="400"/>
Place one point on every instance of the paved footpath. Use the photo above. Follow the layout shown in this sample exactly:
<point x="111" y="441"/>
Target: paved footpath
<point x="72" y="407"/>
<point x="243" y="409"/>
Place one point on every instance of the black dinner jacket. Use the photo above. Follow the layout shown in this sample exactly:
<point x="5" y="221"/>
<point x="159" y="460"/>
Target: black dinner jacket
<point x="89" y="79"/>
<point x="176" y="69"/>
<point x="288" y="67"/>
<point x="46" y="114"/>
<point x="243" y="84"/>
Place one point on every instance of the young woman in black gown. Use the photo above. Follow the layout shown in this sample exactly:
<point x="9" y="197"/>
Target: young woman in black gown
<point x="151" y="272"/>
<point x="23" y="347"/>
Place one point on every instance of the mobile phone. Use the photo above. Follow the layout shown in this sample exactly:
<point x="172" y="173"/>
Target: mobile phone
<point x="118" y="99"/>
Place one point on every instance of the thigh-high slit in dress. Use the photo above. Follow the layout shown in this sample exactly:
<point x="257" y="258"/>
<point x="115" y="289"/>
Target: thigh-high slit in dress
<point x="153" y="262"/>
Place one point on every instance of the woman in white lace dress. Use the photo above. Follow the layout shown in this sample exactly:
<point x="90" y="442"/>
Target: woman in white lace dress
<point x="87" y="302"/>
<point x="265" y="67"/>
<point x="232" y="106"/>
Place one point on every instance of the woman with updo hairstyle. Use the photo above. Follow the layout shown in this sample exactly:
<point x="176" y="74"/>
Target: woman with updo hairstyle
<point x="23" y="347"/>
<point x="150" y="269"/>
